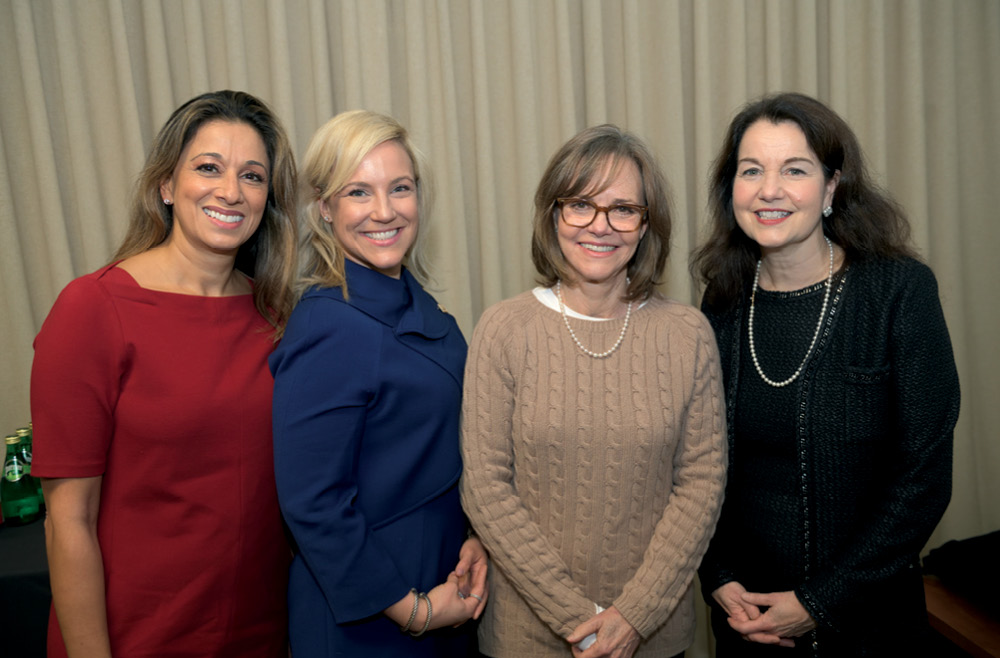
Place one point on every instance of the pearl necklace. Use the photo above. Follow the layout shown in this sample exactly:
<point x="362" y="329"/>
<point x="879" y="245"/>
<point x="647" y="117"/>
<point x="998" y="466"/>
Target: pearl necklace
<point x="596" y="355"/>
<point x="819" y="324"/>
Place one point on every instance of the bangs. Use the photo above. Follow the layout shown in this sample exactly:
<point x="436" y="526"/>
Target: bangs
<point x="596" y="173"/>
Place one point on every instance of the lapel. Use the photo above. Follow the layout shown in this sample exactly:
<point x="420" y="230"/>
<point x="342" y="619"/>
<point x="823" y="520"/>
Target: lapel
<point x="414" y="317"/>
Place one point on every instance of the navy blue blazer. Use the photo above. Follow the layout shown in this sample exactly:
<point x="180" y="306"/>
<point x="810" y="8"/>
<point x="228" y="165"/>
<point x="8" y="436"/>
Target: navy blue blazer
<point x="367" y="396"/>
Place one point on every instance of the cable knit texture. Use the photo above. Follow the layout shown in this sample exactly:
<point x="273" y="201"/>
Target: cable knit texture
<point x="871" y="421"/>
<point x="591" y="480"/>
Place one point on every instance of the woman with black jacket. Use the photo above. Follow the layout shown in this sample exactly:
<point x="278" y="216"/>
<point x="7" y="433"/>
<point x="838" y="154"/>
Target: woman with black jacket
<point x="842" y="394"/>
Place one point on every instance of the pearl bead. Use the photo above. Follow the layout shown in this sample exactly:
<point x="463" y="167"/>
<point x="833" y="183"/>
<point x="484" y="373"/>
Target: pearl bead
<point x="819" y="324"/>
<point x="596" y="355"/>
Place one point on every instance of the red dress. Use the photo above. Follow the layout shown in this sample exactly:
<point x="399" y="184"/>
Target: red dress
<point x="168" y="397"/>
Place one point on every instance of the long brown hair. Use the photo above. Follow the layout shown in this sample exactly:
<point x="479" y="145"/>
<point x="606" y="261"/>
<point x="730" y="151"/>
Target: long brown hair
<point x="866" y="222"/>
<point x="269" y="255"/>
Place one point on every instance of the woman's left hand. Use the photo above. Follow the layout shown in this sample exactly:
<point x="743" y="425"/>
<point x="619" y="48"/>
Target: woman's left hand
<point x="471" y="571"/>
<point x="784" y="619"/>
<point x="616" y="638"/>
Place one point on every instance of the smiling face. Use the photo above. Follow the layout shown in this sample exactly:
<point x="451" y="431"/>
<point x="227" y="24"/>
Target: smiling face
<point x="375" y="216"/>
<point x="219" y="188"/>
<point x="779" y="190"/>
<point x="599" y="254"/>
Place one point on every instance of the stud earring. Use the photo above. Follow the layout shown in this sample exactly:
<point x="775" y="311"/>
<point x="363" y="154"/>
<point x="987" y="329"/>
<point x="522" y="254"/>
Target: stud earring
<point x="827" y="211"/>
<point x="167" y="202"/>
<point x="326" y="218"/>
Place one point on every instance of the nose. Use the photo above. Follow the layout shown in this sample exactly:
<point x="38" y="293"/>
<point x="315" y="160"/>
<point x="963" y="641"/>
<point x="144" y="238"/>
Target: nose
<point x="601" y="225"/>
<point x="770" y="185"/>
<point x="229" y="187"/>
<point x="382" y="208"/>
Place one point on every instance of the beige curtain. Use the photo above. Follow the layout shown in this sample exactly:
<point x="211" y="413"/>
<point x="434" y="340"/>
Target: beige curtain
<point x="490" y="88"/>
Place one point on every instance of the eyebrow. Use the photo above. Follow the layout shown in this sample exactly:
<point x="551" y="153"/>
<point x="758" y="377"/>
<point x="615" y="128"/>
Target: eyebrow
<point x="788" y="161"/>
<point x="620" y="201"/>
<point x="218" y="156"/>
<point x="392" y="182"/>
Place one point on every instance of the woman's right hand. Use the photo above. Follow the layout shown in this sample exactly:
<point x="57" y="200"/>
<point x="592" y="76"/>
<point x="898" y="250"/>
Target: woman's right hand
<point x="730" y="597"/>
<point x="450" y="609"/>
<point x="447" y="607"/>
<point x="472" y="568"/>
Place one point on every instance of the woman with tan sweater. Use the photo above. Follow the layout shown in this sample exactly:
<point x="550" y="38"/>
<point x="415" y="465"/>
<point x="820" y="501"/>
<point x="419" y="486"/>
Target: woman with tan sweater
<point x="593" y="430"/>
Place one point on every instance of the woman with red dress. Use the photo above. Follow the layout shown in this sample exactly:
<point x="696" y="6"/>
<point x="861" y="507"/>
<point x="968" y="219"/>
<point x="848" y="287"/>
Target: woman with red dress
<point x="151" y="403"/>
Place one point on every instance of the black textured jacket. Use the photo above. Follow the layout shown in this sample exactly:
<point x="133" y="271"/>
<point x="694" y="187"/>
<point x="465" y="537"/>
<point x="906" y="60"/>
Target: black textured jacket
<point x="878" y="403"/>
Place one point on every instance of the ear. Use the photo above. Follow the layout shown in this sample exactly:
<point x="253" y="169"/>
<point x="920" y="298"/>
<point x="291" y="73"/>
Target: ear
<point x="167" y="190"/>
<point x="324" y="208"/>
<point x="831" y="187"/>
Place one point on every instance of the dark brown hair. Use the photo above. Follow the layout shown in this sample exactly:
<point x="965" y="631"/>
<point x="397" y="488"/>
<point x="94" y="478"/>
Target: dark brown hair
<point x="866" y="222"/>
<point x="577" y="170"/>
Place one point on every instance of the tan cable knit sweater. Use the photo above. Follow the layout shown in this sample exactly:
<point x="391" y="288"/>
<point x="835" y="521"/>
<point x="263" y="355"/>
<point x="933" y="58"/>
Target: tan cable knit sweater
<point x="591" y="480"/>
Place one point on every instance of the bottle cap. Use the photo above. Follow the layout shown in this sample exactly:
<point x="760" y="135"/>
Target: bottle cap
<point x="12" y="439"/>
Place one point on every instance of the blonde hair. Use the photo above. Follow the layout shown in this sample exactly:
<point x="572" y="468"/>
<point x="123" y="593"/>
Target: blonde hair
<point x="334" y="153"/>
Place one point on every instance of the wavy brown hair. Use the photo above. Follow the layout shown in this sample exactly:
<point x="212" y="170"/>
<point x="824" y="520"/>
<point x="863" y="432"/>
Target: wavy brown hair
<point x="866" y="222"/>
<point x="269" y="255"/>
<point x="580" y="168"/>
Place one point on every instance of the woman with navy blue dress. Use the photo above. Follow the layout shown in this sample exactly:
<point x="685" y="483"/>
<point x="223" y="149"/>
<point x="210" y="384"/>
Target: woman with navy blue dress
<point x="368" y="382"/>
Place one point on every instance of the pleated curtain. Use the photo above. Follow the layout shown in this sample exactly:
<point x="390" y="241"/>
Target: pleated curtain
<point x="490" y="89"/>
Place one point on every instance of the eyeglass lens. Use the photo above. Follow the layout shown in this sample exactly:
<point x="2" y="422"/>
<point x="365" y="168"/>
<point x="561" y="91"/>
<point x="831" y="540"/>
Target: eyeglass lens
<point x="579" y="213"/>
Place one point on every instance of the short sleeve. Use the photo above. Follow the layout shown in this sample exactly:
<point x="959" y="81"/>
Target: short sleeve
<point x="75" y="382"/>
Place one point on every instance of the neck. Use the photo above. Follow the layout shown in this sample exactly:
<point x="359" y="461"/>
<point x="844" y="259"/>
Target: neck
<point x="784" y="271"/>
<point x="204" y="274"/>
<point x="596" y="300"/>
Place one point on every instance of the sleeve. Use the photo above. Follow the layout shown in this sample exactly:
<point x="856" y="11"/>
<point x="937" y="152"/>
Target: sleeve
<point x="514" y="541"/>
<point x="714" y="572"/>
<point x="683" y="532"/>
<point x="76" y="378"/>
<point x="324" y="378"/>
<point x="917" y="489"/>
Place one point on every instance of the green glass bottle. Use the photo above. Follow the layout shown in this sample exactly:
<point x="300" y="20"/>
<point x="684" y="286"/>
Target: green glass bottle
<point x="24" y="434"/>
<point x="18" y="496"/>
<point x="26" y="450"/>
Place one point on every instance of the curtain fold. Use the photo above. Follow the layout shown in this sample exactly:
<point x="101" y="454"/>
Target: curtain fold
<point x="489" y="90"/>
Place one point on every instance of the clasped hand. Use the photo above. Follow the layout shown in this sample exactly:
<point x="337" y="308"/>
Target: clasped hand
<point x="471" y="573"/>
<point x="783" y="619"/>
<point x="461" y="597"/>
<point x="616" y="638"/>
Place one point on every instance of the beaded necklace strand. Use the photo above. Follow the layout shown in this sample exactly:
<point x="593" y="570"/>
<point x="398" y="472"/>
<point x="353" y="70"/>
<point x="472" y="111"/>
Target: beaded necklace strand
<point x="819" y="324"/>
<point x="596" y="355"/>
